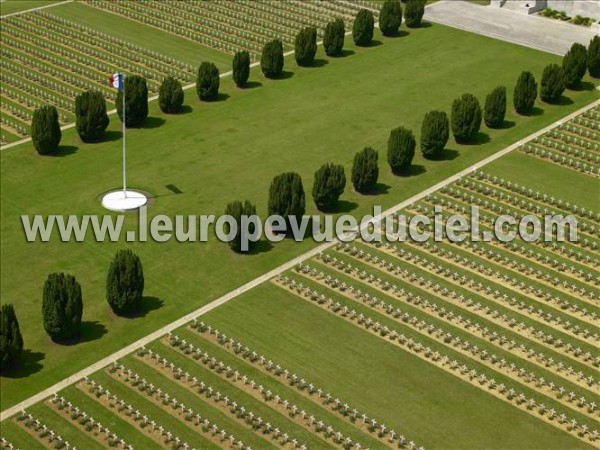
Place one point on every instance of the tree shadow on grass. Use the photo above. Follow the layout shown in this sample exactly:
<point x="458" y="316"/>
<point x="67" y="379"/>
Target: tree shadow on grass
<point x="584" y="86"/>
<point x="319" y="62"/>
<point x="261" y="246"/>
<point x="186" y="109"/>
<point x="425" y="24"/>
<point x="221" y="97"/>
<point x="380" y="188"/>
<point x="91" y="330"/>
<point x="346" y="53"/>
<point x="480" y="138"/>
<point x="63" y="150"/>
<point x="374" y="43"/>
<point x="563" y="101"/>
<point x="506" y="125"/>
<point x="147" y="305"/>
<point x="417" y="169"/>
<point x="397" y="34"/>
<point x="535" y="111"/>
<point x="285" y="75"/>
<point x="29" y="364"/>
<point x="253" y="85"/>
<point x="153" y="122"/>
<point x="112" y="135"/>
<point x="343" y="206"/>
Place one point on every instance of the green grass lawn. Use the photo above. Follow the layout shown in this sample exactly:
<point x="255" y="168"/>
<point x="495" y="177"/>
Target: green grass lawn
<point x="408" y="394"/>
<point x="145" y="36"/>
<point x="228" y="150"/>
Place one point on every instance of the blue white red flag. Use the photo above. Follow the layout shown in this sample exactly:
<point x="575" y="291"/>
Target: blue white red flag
<point x="116" y="79"/>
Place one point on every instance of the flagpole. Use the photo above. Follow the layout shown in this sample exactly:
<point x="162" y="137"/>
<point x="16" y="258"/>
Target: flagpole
<point x="124" y="151"/>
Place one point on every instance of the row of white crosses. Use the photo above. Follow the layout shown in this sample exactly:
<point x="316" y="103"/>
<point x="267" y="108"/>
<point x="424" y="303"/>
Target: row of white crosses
<point x="302" y="384"/>
<point x="242" y="412"/>
<point x="123" y="57"/>
<point x="498" y="297"/>
<point x="5" y="444"/>
<point x="580" y="129"/>
<point x="175" y="24"/>
<point x="479" y="379"/>
<point x="139" y="417"/>
<point x="16" y="126"/>
<point x="550" y="266"/>
<point x="582" y="141"/>
<point x="593" y="113"/>
<point x="561" y="159"/>
<point x="103" y="40"/>
<point x="443" y="335"/>
<point x="544" y="314"/>
<point x="526" y="198"/>
<point x="460" y="193"/>
<point x="170" y="401"/>
<point x="88" y="421"/>
<point x="88" y="57"/>
<point x="43" y="431"/>
<point x="493" y="270"/>
<point x="425" y="207"/>
<point x="537" y="195"/>
<point x="567" y="149"/>
<point x="448" y="339"/>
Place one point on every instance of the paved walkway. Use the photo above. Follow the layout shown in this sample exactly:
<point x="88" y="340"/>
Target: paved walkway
<point x="549" y="35"/>
<point x="265" y="277"/>
<point x="18" y="13"/>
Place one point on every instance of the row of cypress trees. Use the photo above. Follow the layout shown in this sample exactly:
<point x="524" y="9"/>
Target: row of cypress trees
<point x="62" y="305"/>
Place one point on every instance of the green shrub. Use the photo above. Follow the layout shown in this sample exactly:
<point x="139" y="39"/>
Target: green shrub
<point x="525" y="93"/>
<point x="362" y="29"/>
<point x="401" y="150"/>
<point x="495" y="108"/>
<point x="45" y="130"/>
<point x="413" y="13"/>
<point x="91" y="119"/>
<point x="170" y="96"/>
<point x="306" y="46"/>
<point x="241" y="68"/>
<point x="207" y="82"/>
<point x="271" y="61"/>
<point x="236" y="210"/>
<point x="62" y="306"/>
<point x="435" y="132"/>
<point x="136" y="101"/>
<point x="575" y="65"/>
<point x="125" y="283"/>
<point x="11" y="341"/>
<point x="286" y="197"/>
<point x="465" y="118"/>
<point x="365" y="171"/>
<point x="333" y="40"/>
<point x="553" y="83"/>
<point x="593" y="57"/>
<point x="390" y="17"/>
<point x="329" y="184"/>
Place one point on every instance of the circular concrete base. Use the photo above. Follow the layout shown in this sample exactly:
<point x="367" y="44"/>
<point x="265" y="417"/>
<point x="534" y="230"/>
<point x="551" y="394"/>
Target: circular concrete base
<point x="123" y="201"/>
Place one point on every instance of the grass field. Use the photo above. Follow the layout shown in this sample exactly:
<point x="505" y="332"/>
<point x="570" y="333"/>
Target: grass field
<point x="12" y="6"/>
<point x="215" y="153"/>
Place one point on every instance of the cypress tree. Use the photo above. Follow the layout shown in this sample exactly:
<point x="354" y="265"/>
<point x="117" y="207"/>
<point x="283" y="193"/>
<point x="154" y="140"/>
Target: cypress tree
<point x="62" y="306"/>
<point x="45" y="130"/>
<point x="465" y="118"/>
<point x="170" y="96"/>
<point x="553" y="83"/>
<point x="333" y="40"/>
<point x="365" y="171"/>
<point x="401" y="150"/>
<point x="136" y="101"/>
<point x="238" y="209"/>
<point x="413" y="13"/>
<point x="525" y="93"/>
<point x="593" y="57"/>
<point x="271" y="60"/>
<point x="125" y="283"/>
<point x="329" y="184"/>
<point x="495" y="107"/>
<point x="306" y="46"/>
<point x="91" y="119"/>
<point x="11" y="341"/>
<point x="362" y="29"/>
<point x="390" y="17"/>
<point x="241" y="68"/>
<point x="435" y="132"/>
<point x="286" y="197"/>
<point x="574" y="65"/>
<point x="207" y="82"/>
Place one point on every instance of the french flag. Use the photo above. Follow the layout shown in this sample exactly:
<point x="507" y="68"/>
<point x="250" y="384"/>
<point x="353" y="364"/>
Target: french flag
<point x="117" y="80"/>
